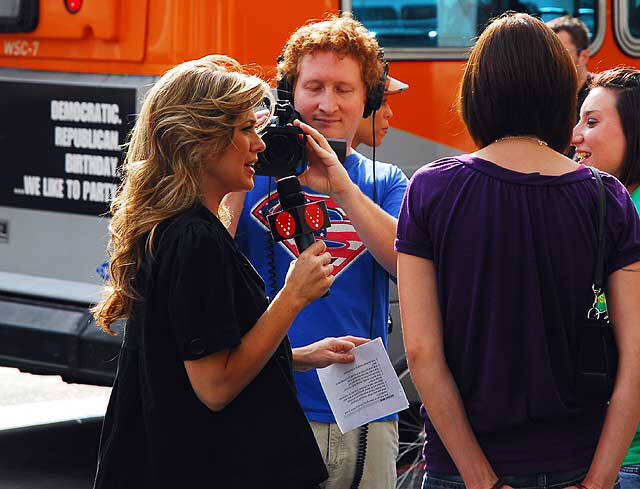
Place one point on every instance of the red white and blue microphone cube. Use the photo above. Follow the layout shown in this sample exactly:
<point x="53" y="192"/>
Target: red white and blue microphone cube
<point x="307" y="218"/>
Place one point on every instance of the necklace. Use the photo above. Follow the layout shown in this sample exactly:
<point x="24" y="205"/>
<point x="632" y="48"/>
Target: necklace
<point x="530" y="138"/>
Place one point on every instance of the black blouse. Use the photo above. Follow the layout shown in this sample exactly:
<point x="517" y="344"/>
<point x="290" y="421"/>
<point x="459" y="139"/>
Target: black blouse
<point x="201" y="295"/>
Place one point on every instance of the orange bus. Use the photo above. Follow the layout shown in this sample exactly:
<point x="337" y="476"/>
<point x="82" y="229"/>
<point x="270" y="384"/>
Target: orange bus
<point x="73" y="72"/>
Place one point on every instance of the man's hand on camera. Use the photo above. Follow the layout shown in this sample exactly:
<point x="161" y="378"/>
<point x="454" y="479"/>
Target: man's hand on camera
<point x="325" y="173"/>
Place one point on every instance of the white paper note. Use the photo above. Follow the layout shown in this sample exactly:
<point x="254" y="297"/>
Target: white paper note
<point x="364" y="390"/>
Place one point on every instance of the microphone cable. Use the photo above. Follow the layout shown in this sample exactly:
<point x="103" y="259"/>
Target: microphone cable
<point x="272" y="274"/>
<point x="364" y="429"/>
<point x="375" y="198"/>
<point x="360" y="456"/>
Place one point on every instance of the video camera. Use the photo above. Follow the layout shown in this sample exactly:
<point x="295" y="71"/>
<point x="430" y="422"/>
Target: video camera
<point x="286" y="151"/>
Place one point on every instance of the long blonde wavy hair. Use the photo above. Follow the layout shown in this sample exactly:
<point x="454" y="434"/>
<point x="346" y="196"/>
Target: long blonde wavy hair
<point x="189" y="114"/>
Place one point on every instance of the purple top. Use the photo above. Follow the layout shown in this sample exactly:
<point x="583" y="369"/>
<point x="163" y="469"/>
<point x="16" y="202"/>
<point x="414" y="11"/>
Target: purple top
<point x="514" y="255"/>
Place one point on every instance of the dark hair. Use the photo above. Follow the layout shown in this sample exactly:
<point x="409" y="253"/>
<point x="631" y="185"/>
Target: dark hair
<point x="505" y="92"/>
<point x="573" y="26"/>
<point x="625" y="81"/>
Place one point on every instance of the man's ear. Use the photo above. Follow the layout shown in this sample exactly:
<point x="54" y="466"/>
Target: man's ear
<point x="584" y="57"/>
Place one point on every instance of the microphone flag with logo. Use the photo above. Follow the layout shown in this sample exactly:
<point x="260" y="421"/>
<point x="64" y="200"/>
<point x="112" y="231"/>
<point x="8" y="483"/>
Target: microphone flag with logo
<point x="298" y="219"/>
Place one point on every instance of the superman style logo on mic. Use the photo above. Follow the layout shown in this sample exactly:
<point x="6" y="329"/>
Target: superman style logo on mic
<point x="307" y="218"/>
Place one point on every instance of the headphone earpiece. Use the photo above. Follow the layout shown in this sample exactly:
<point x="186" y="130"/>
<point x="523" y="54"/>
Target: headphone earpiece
<point x="284" y="87"/>
<point x="376" y="94"/>
<point x="285" y="90"/>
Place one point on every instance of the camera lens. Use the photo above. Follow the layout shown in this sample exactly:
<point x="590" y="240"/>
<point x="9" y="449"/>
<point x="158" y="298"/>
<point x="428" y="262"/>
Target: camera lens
<point x="280" y="149"/>
<point x="284" y="153"/>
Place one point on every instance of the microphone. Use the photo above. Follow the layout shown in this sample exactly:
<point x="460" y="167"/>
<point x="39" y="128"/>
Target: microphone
<point x="298" y="218"/>
<point x="291" y="196"/>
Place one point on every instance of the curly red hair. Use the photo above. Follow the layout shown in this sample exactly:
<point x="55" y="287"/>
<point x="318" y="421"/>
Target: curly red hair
<point x="342" y="35"/>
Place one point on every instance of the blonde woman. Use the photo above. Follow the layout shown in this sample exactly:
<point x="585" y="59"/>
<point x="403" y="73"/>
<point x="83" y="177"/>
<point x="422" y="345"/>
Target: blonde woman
<point x="204" y="394"/>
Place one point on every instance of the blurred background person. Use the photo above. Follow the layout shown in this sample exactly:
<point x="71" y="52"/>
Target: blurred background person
<point x="574" y="36"/>
<point x="608" y="137"/>
<point x="490" y="323"/>
<point x="204" y="392"/>
<point x="372" y="130"/>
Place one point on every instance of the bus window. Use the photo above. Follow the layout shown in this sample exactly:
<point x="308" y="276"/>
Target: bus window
<point x="447" y="28"/>
<point x="11" y="8"/>
<point x="626" y="26"/>
<point x="18" y="15"/>
<point x="380" y="19"/>
<point x="633" y="14"/>
<point x="634" y="18"/>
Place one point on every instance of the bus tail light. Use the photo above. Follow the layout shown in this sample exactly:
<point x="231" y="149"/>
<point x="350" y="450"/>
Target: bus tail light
<point x="73" y="6"/>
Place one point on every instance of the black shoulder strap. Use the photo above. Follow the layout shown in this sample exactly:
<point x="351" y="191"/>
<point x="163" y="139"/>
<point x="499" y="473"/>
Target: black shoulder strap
<point x="598" y="277"/>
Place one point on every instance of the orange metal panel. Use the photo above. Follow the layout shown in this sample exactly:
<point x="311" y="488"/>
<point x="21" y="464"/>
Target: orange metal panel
<point x="101" y="18"/>
<point x="108" y="30"/>
<point x="154" y="35"/>
<point x="428" y="109"/>
<point x="249" y="31"/>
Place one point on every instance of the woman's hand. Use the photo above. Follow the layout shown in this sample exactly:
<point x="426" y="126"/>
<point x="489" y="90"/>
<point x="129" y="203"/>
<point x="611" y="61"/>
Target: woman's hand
<point x="309" y="276"/>
<point x="585" y="486"/>
<point x="325" y="173"/>
<point x="326" y="352"/>
<point x="488" y="485"/>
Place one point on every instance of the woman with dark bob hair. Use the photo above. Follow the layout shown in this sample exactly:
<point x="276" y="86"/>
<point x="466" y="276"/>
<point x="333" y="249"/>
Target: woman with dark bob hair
<point x="607" y="136"/>
<point x="495" y="266"/>
<point x="204" y="394"/>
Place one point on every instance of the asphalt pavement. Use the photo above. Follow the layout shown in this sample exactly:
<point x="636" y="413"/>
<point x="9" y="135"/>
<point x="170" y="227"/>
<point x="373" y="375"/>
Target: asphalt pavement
<point x="55" y="456"/>
<point x="49" y="431"/>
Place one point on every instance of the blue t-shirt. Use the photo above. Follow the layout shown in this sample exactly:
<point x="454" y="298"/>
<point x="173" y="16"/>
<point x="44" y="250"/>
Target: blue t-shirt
<point x="348" y="310"/>
<point x="514" y="255"/>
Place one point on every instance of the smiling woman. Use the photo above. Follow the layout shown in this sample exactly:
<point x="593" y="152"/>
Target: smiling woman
<point x="598" y="136"/>
<point x="607" y="135"/>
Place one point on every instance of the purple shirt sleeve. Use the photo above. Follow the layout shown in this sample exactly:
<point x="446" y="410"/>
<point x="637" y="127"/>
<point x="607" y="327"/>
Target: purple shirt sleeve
<point x="413" y="236"/>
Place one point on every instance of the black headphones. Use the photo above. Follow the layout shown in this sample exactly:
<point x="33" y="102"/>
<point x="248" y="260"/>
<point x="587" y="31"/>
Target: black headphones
<point x="374" y="97"/>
